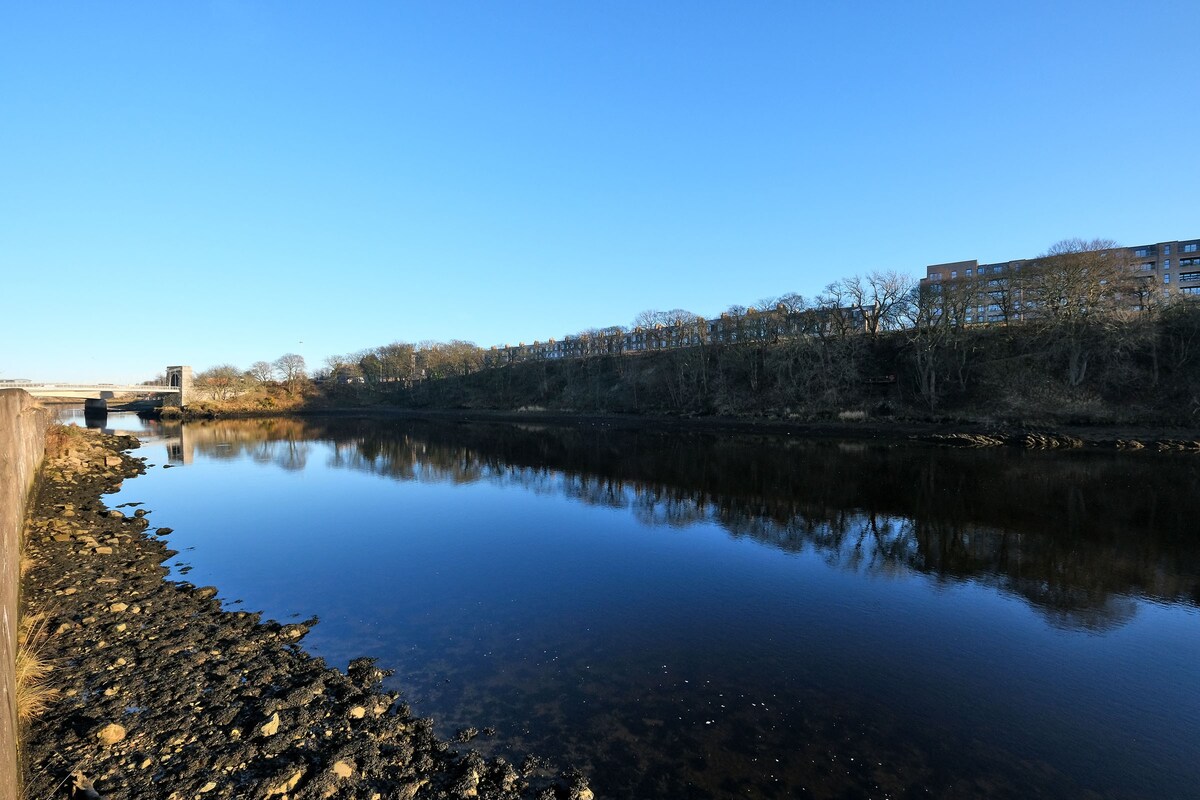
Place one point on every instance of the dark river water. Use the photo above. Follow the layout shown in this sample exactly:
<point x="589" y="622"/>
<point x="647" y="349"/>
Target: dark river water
<point x="694" y="616"/>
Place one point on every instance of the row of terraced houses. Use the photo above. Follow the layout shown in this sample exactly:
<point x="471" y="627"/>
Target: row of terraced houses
<point x="1173" y="265"/>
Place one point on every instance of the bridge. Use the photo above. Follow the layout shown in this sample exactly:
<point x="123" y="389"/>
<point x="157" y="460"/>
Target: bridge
<point x="88" y="390"/>
<point x="96" y="395"/>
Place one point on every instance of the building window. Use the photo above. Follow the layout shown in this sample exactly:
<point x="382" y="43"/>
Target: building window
<point x="1166" y="263"/>
<point x="968" y="273"/>
<point x="1189" y="262"/>
<point x="1189" y="290"/>
<point x="1142" y="252"/>
<point x="1166" y="249"/>
<point x="953" y="273"/>
<point x="1166" y="277"/>
<point x="1191" y="248"/>
<point x="936" y="276"/>
<point x="1147" y="266"/>
<point x="1189" y="276"/>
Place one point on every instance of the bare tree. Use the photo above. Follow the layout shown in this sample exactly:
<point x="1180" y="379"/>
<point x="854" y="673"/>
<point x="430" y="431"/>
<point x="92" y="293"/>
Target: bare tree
<point x="647" y="319"/>
<point x="1076" y="280"/>
<point x="880" y="300"/>
<point x="1076" y="291"/>
<point x="222" y="382"/>
<point x="293" y="369"/>
<point x="262" y="371"/>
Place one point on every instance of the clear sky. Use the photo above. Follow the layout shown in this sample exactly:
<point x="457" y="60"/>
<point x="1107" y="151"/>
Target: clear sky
<point x="211" y="182"/>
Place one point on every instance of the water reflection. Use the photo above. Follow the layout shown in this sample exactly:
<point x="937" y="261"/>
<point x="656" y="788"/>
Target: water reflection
<point x="1073" y="534"/>
<point x="717" y="616"/>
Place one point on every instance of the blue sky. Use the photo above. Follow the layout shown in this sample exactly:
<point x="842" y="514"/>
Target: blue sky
<point x="229" y="181"/>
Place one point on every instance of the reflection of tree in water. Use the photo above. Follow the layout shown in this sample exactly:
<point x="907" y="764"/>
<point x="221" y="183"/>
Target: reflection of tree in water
<point x="1075" y="534"/>
<point x="284" y="443"/>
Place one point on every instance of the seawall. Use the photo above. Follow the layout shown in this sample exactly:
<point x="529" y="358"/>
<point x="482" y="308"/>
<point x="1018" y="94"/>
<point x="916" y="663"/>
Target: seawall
<point x="23" y="424"/>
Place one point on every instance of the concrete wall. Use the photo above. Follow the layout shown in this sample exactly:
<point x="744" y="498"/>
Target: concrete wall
<point x="23" y="424"/>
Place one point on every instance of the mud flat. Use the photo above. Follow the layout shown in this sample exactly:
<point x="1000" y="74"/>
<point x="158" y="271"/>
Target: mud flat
<point x="164" y="694"/>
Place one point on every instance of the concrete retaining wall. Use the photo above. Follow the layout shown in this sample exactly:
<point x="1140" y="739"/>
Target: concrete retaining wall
<point x="23" y="424"/>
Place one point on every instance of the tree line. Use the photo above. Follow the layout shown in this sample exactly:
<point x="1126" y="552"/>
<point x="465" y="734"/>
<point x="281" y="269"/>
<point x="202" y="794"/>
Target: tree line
<point x="225" y="381"/>
<point x="1076" y="322"/>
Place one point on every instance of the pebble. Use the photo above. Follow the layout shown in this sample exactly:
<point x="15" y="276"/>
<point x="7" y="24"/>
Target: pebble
<point x="111" y="733"/>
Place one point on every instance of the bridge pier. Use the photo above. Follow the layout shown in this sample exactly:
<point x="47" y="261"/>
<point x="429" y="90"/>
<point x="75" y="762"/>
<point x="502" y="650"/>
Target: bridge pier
<point x="95" y="406"/>
<point x="180" y="377"/>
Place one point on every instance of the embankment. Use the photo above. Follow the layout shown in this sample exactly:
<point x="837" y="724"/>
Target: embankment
<point x="23" y="425"/>
<point x="168" y="695"/>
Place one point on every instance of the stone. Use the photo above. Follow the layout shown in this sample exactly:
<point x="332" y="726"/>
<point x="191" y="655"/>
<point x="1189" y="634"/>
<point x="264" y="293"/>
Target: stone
<point x="117" y="608"/>
<point x="103" y="550"/>
<point x="358" y="712"/>
<point x="112" y="461"/>
<point x="110" y="734"/>
<point x="271" y="726"/>
<point x="208" y="787"/>
<point x="286" y="785"/>
<point x="342" y="769"/>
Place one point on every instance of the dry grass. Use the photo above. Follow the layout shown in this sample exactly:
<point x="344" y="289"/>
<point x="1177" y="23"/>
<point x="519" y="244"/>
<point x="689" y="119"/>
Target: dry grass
<point x="34" y="697"/>
<point x="59" y="438"/>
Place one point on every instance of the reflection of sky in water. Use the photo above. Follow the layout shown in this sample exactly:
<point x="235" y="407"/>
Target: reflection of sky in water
<point x="635" y="634"/>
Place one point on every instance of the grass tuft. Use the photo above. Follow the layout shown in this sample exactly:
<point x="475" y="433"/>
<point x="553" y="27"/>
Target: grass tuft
<point x="34" y="697"/>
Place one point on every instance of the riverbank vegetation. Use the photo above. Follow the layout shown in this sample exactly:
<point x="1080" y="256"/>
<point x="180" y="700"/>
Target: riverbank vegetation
<point x="1076" y="336"/>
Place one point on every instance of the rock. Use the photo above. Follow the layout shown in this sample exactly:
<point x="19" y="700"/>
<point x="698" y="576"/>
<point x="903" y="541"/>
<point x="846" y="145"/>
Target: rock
<point x="271" y="726"/>
<point x="407" y="791"/>
<point x="112" y="513"/>
<point x="117" y="608"/>
<point x="103" y="550"/>
<point x="208" y="787"/>
<point x="342" y="769"/>
<point x="110" y="734"/>
<point x="286" y="785"/>
<point x="112" y="461"/>
<point x="358" y="712"/>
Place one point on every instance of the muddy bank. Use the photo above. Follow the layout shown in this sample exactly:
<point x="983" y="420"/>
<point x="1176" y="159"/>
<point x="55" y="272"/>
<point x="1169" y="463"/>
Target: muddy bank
<point x="164" y="694"/>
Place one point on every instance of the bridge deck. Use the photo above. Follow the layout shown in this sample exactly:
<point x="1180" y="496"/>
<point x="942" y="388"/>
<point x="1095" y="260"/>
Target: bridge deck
<point x="91" y="389"/>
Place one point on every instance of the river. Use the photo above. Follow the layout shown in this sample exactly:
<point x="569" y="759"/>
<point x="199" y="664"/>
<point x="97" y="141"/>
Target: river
<point x="700" y="615"/>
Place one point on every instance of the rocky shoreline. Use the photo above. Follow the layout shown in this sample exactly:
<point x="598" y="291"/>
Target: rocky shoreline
<point x="164" y="694"/>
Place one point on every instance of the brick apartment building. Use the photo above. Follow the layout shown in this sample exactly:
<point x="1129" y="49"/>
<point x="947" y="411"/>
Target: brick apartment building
<point x="1172" y="266"/>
